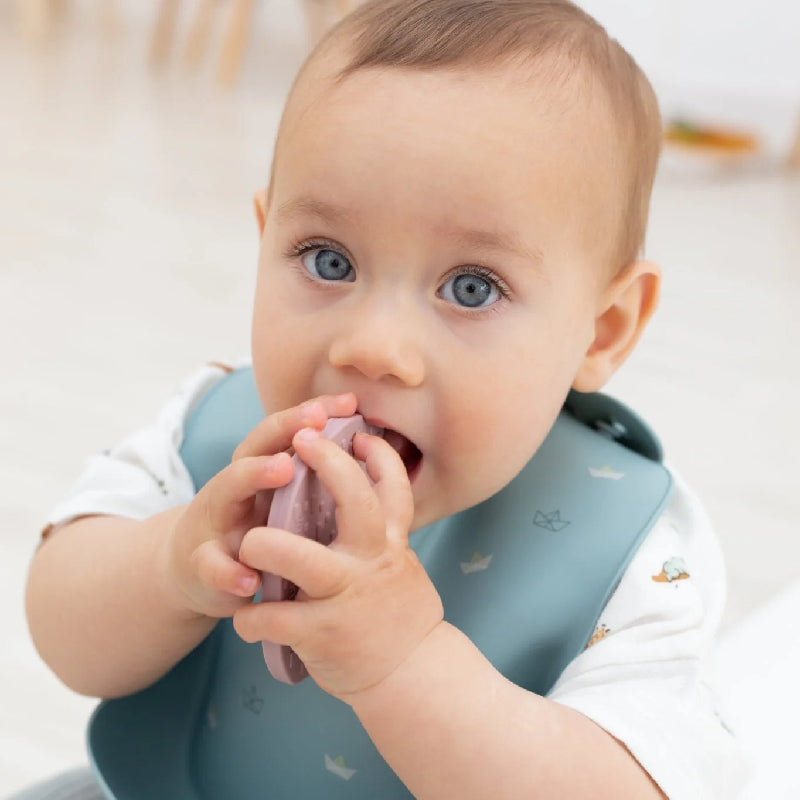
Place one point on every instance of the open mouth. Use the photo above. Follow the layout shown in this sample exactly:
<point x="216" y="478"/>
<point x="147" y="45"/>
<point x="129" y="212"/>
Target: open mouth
<point x="406" y="449"/>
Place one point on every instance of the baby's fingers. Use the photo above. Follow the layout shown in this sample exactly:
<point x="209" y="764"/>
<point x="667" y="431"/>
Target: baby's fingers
<point x="388" y="474"/>
<point x="228" y="499"/>
<point x="360" y="521"/>
<point x="275" y="433"/>
<point x="278" y="622"/>
<point x="218" y="569"/>
<point x="317" y="570"/>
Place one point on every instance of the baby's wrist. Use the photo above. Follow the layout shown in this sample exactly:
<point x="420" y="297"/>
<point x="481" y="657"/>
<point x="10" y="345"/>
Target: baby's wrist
<point x="433" y="650"/>
<point x="171" y="563"/>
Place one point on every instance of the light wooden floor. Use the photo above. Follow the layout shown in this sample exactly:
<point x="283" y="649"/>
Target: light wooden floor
<point x="127" y="253"/>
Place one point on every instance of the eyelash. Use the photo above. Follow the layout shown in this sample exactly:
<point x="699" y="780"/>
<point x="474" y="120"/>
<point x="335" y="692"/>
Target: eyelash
<point x="315" y="244"/>
<point x="305" y="246"/>
<point x="298" y="250"/>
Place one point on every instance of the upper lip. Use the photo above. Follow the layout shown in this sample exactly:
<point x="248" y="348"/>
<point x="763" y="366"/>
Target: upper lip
<point x="377" y="422"/>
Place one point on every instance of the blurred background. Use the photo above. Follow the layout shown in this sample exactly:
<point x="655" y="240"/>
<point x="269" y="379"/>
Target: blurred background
<point x="132" y="137"/>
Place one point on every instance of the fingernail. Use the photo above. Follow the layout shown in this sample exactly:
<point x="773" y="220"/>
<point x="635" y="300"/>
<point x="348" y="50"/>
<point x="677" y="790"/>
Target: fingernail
<point x="307" y="434"/>
<point x="248" y="583"/>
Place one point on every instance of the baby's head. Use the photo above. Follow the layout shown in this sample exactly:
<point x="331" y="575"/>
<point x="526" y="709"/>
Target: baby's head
<point x="458" y="199"/>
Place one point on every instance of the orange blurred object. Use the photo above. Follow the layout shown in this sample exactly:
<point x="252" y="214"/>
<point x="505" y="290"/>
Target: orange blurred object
<point x="712" y="139"/>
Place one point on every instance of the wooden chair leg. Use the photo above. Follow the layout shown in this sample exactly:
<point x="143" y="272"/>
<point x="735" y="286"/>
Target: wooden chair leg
<point x="793" y="160"/>
<point x="108" y="16"/>
<point x="200" y="32"/>
<point x="36" y="18"/>
<point x="234" y="41"/>
<point x="164" y="31"/>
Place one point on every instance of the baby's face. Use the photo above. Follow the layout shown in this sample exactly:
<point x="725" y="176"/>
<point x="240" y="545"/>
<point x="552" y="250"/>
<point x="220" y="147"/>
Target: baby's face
<point x="433" y="244"/>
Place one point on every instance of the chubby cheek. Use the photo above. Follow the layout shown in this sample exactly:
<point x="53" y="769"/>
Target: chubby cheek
<point x="278" y="363"/>
<point x="271" y="386"/>
<point x="493" y="429"/>
<point x="483" y="464"/>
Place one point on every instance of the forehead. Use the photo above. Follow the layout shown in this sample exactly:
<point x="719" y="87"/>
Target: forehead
<point x="501" y="136"/>
<point x="533" y="98"/>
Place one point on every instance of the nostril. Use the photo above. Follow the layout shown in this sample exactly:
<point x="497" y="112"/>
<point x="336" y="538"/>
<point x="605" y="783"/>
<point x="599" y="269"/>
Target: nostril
<point x="377" y="358"/>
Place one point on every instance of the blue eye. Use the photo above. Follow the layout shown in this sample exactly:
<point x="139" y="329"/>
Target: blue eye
<point x="471" y="289"/>
<point x="328" y="265"/>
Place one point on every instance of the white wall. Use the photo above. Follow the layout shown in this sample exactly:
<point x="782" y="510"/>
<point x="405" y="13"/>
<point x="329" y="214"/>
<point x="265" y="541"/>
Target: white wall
<point x="730" y="60"/>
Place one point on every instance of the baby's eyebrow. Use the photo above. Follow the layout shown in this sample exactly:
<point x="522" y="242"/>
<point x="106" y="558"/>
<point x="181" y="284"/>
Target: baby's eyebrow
<point x="494" y="241"/>
<point x="475" y="239"/>
<point x="306" y="206"/>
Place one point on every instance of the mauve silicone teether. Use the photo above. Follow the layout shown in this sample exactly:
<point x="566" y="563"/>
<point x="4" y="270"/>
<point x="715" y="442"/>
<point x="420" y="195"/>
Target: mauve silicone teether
<point x="304" y="507"/>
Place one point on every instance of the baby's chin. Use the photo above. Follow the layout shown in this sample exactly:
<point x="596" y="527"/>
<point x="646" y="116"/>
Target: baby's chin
<point x="434" y="502"/>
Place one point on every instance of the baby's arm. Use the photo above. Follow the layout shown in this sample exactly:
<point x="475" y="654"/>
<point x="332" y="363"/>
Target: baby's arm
<point x="100" y="609"/>
<point x="113" y="603"/>
<point x="451" y="726"/>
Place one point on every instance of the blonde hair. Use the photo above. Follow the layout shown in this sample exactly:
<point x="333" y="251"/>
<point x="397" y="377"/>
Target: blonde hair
<point x="433" y="34"/>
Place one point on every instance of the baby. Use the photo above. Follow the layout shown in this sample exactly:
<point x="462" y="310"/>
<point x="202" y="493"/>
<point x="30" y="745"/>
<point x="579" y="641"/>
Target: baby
<point x="450" y="242"/>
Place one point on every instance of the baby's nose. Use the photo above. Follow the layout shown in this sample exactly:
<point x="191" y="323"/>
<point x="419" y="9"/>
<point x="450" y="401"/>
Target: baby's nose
<point x="380" y="341"/>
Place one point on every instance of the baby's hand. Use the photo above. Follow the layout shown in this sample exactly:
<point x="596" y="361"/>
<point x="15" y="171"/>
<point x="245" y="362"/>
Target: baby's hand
<point x="365" y="601"/>
<point x="202" y="554"/>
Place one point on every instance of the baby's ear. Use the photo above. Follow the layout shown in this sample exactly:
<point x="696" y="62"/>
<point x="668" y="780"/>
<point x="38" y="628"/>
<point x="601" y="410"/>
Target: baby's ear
<point x="626" y="305"/>
<point x="260" y="204"/>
